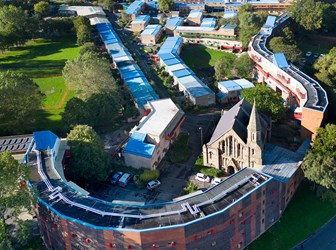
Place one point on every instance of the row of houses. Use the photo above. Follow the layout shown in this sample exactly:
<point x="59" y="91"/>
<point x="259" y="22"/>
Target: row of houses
<point x="186" y="80"/>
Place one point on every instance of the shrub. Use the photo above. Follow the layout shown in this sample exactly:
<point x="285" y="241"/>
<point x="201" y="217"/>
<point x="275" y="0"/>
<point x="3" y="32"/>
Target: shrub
<point x="213" y="172"/>
<point x="149" y="175"/>
<point x="190" y="188"/>
<point x="180" y="152"/>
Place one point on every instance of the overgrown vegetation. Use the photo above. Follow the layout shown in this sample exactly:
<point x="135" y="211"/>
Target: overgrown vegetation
<point x="180" y="151"/>
<point x="190" y="188"/>
<point x="200" y="168"/>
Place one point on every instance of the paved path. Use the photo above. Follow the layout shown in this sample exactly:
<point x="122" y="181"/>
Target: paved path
<point x="323" y="239"/>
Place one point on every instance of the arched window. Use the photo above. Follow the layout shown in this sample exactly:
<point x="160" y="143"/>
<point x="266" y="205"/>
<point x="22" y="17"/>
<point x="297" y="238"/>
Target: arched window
<point x="230" y="145"/>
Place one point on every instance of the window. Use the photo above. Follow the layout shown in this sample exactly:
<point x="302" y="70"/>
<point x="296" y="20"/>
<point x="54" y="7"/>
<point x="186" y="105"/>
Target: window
<point x="262" y="221"/>
<point x="230" y="145"/>
<point x="263" y="202"/>
<point x="263" y="211"/>
<point x="252" y="151"/>
<point x="210" y="155"/>
<point x="238" y="150"/>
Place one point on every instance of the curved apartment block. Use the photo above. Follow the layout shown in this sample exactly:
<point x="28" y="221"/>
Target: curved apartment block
<point x="229" y="215"/>
<point x="287" y="79"/>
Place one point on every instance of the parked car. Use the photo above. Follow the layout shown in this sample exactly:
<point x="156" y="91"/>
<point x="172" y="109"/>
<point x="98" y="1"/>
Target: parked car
<point x="125" y="179"/>
<point x="153" y="184"/>
<point x="116" y="177"/>
<point x="216" y="180"/>
<point x="316" y="55"/>
<point x="202" y="177"/>
<point x="309" y="53"/>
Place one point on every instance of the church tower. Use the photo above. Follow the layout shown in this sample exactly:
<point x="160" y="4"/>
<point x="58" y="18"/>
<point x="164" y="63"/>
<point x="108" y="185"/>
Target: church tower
<point x="255" y="142"/>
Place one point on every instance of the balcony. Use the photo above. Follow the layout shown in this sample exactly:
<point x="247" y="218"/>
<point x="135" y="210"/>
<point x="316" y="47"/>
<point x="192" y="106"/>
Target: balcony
<point x="302" y="95"/>
<point x="256" y="58"/>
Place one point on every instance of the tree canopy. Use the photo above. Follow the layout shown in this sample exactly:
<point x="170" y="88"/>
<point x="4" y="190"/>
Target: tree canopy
<point x="14" y="195"/>
<point x="242" y="66"/>
<point x="268" y="101"/>
<point x="249" y="23"/>
<point x="89" y="161"/>
<point x="280" y="44"/>
<point x="223" y="68"/>
<point x="15" y="26"/>
<point x="42" y="8"/>
<point x="319" y="165"/>
<point x="166" y="5"/>
<point x="308" y="13"/>
<point x="20" y="100"/>
<point x="326" y="68"/>
<point x="89" y="74"/>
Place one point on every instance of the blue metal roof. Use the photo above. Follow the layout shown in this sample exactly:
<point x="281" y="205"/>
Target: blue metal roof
<point x="174" y="21"/>
<point x="134" y="8"/>
<point x="153" y="4"/>
<point x="209" y="22"/>
<point x="151" y="30"/>
<point x="141" y="19"/>
<point x="137" y="145"/>
<point x="279" y="60"/>
<point x="214" y="1"/>
<point x="183" y="72"/>
<point x="270" y="21"/>
<point x="44" y="140"/>
<point x="172" y="61"/>
<point x="195" y="14"/>
<point x="230" y="13"/>
<point x="230" y="85"/>
<point x="229" y="26"/>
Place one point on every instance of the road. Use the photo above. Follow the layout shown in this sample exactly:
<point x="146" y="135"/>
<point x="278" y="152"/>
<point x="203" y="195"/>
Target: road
<point x="140" y="58"/>
<point x="323" y="239"/>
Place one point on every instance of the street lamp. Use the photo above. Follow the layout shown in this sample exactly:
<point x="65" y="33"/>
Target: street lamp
<point x="200" y="128"/>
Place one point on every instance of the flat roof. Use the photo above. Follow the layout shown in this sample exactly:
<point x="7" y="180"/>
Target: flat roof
<point x="195" y="14"/>
<point x="229" y="26"/>
<point x="134" y="7"/>
<point x="137" y="145"/>
<point x="194" y="29"/>
<point x="209" y="22"/>
<point x="16" y="144"/>
<point x="229" y="86"/>
<point x="151" y="30"/>
<point x="230" y="13"/>
<point x="84" y="10"/>
<point x="141" y="19"/>
<point x="174" y="21"/>
<point x="279" y="59"/>
<point x="164" y="111"/>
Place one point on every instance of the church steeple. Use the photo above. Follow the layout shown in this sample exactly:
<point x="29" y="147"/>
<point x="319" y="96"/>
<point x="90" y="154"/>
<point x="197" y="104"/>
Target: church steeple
<point x="254" y="128"/>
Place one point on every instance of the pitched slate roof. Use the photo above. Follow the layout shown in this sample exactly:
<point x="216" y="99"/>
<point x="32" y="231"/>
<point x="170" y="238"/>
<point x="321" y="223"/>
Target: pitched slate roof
<point x="237" y="118"/>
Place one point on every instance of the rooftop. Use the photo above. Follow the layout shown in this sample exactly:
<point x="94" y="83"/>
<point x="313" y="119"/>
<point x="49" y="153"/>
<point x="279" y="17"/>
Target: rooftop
<point x="230" y="13"/>
<point x="209" y="22"/>
<point x="174" y="21"/>
<point x="229" y="26"/>
<point x="195" y="14"/>
<point x="134" y="7"/>
<point x="141" y="19"/>
<point x="84" y="10"/>
<point x="15" y="144"/>
<point x="233" y="85"/>
<point x="151" y="30"/>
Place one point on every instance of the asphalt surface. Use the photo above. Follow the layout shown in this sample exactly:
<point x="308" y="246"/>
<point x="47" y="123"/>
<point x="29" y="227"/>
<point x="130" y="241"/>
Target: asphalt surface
<point x="323" y="239"/>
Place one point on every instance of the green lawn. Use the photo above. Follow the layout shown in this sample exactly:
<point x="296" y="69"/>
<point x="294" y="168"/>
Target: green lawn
<point x="199" y="57"/>
<point x="43" y="60"/>
<point x="304" y="215"/>
<point x="40" y="57"/>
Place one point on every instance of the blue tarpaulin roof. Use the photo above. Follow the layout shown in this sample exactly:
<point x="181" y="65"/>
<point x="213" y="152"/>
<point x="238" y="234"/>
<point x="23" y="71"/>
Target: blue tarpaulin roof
<point x="44" y="140"/>
<point x="279" y="60"/>
<point x="137" y="145"/>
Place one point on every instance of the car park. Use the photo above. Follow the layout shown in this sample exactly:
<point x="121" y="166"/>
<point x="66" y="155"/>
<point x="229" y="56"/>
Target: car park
<point x="309" y="53"/>
<point x="216" y="180"/>
<point x="125" y="179"/>
<point x="116" y="177"/>
<point x="202" y="177"/>
<point x="153" y="184"/>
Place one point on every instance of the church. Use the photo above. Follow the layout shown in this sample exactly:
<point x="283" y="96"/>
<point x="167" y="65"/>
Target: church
<point x="239" y="139"/>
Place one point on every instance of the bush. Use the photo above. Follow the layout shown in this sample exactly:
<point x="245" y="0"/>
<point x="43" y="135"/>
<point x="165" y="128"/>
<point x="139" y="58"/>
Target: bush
<point x="190" y="188"/>
<point x="213" y="172"/>
<point x="149" y="175"/>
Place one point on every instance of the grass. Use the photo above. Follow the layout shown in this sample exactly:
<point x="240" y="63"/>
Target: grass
<point x="43" y="61"/>
<point x="180" y="152"/>
<point x="200" y="168"/>
<point x="304" y="215"/>
<point x="206" y="58"/>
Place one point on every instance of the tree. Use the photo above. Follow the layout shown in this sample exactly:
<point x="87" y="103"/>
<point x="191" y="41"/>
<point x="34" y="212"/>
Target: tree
<point x="249" y="23"/>
<point x="89" y="74"/>
<point x="89" y="161"/>
<point x="125" y="19"/>
<point x="42" y="8"/>
<point x="268" y="101"/>
<point x="14" y="196"/>
<point x="14" y="26"/>
<point x="83" y="34"/>
<point x="279" y="45"/>
<point x="326" y="68"/>
<point x="166" y="5"/>
<point x="307" y="13"/>
<point x="20" y="100"/>
<point x="88" y="47"/>
<point x="223" y="68"/>
<point x="319" y="165"/>
<point x="108" y="5"/>
<point x="243" y="66"/>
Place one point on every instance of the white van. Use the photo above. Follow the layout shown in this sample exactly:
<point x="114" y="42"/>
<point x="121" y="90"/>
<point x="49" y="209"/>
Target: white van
<point x="124" y="180"/>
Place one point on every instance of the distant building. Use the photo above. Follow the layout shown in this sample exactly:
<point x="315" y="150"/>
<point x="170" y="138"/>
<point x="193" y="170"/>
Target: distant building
<point x="186" y="80"/>
<point x="185" y="8"/>
<point x="239" y="139"/>
<point x="135" y="8"/>
<point x="172" y="23"/>
<point x="151" y="34"/>
<point x="91" y="12"/>
<point x="195" y="17"/>
<point x="140" y="22"/>
<point x="154" y="135"/>
<point x="230" y="90"/>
